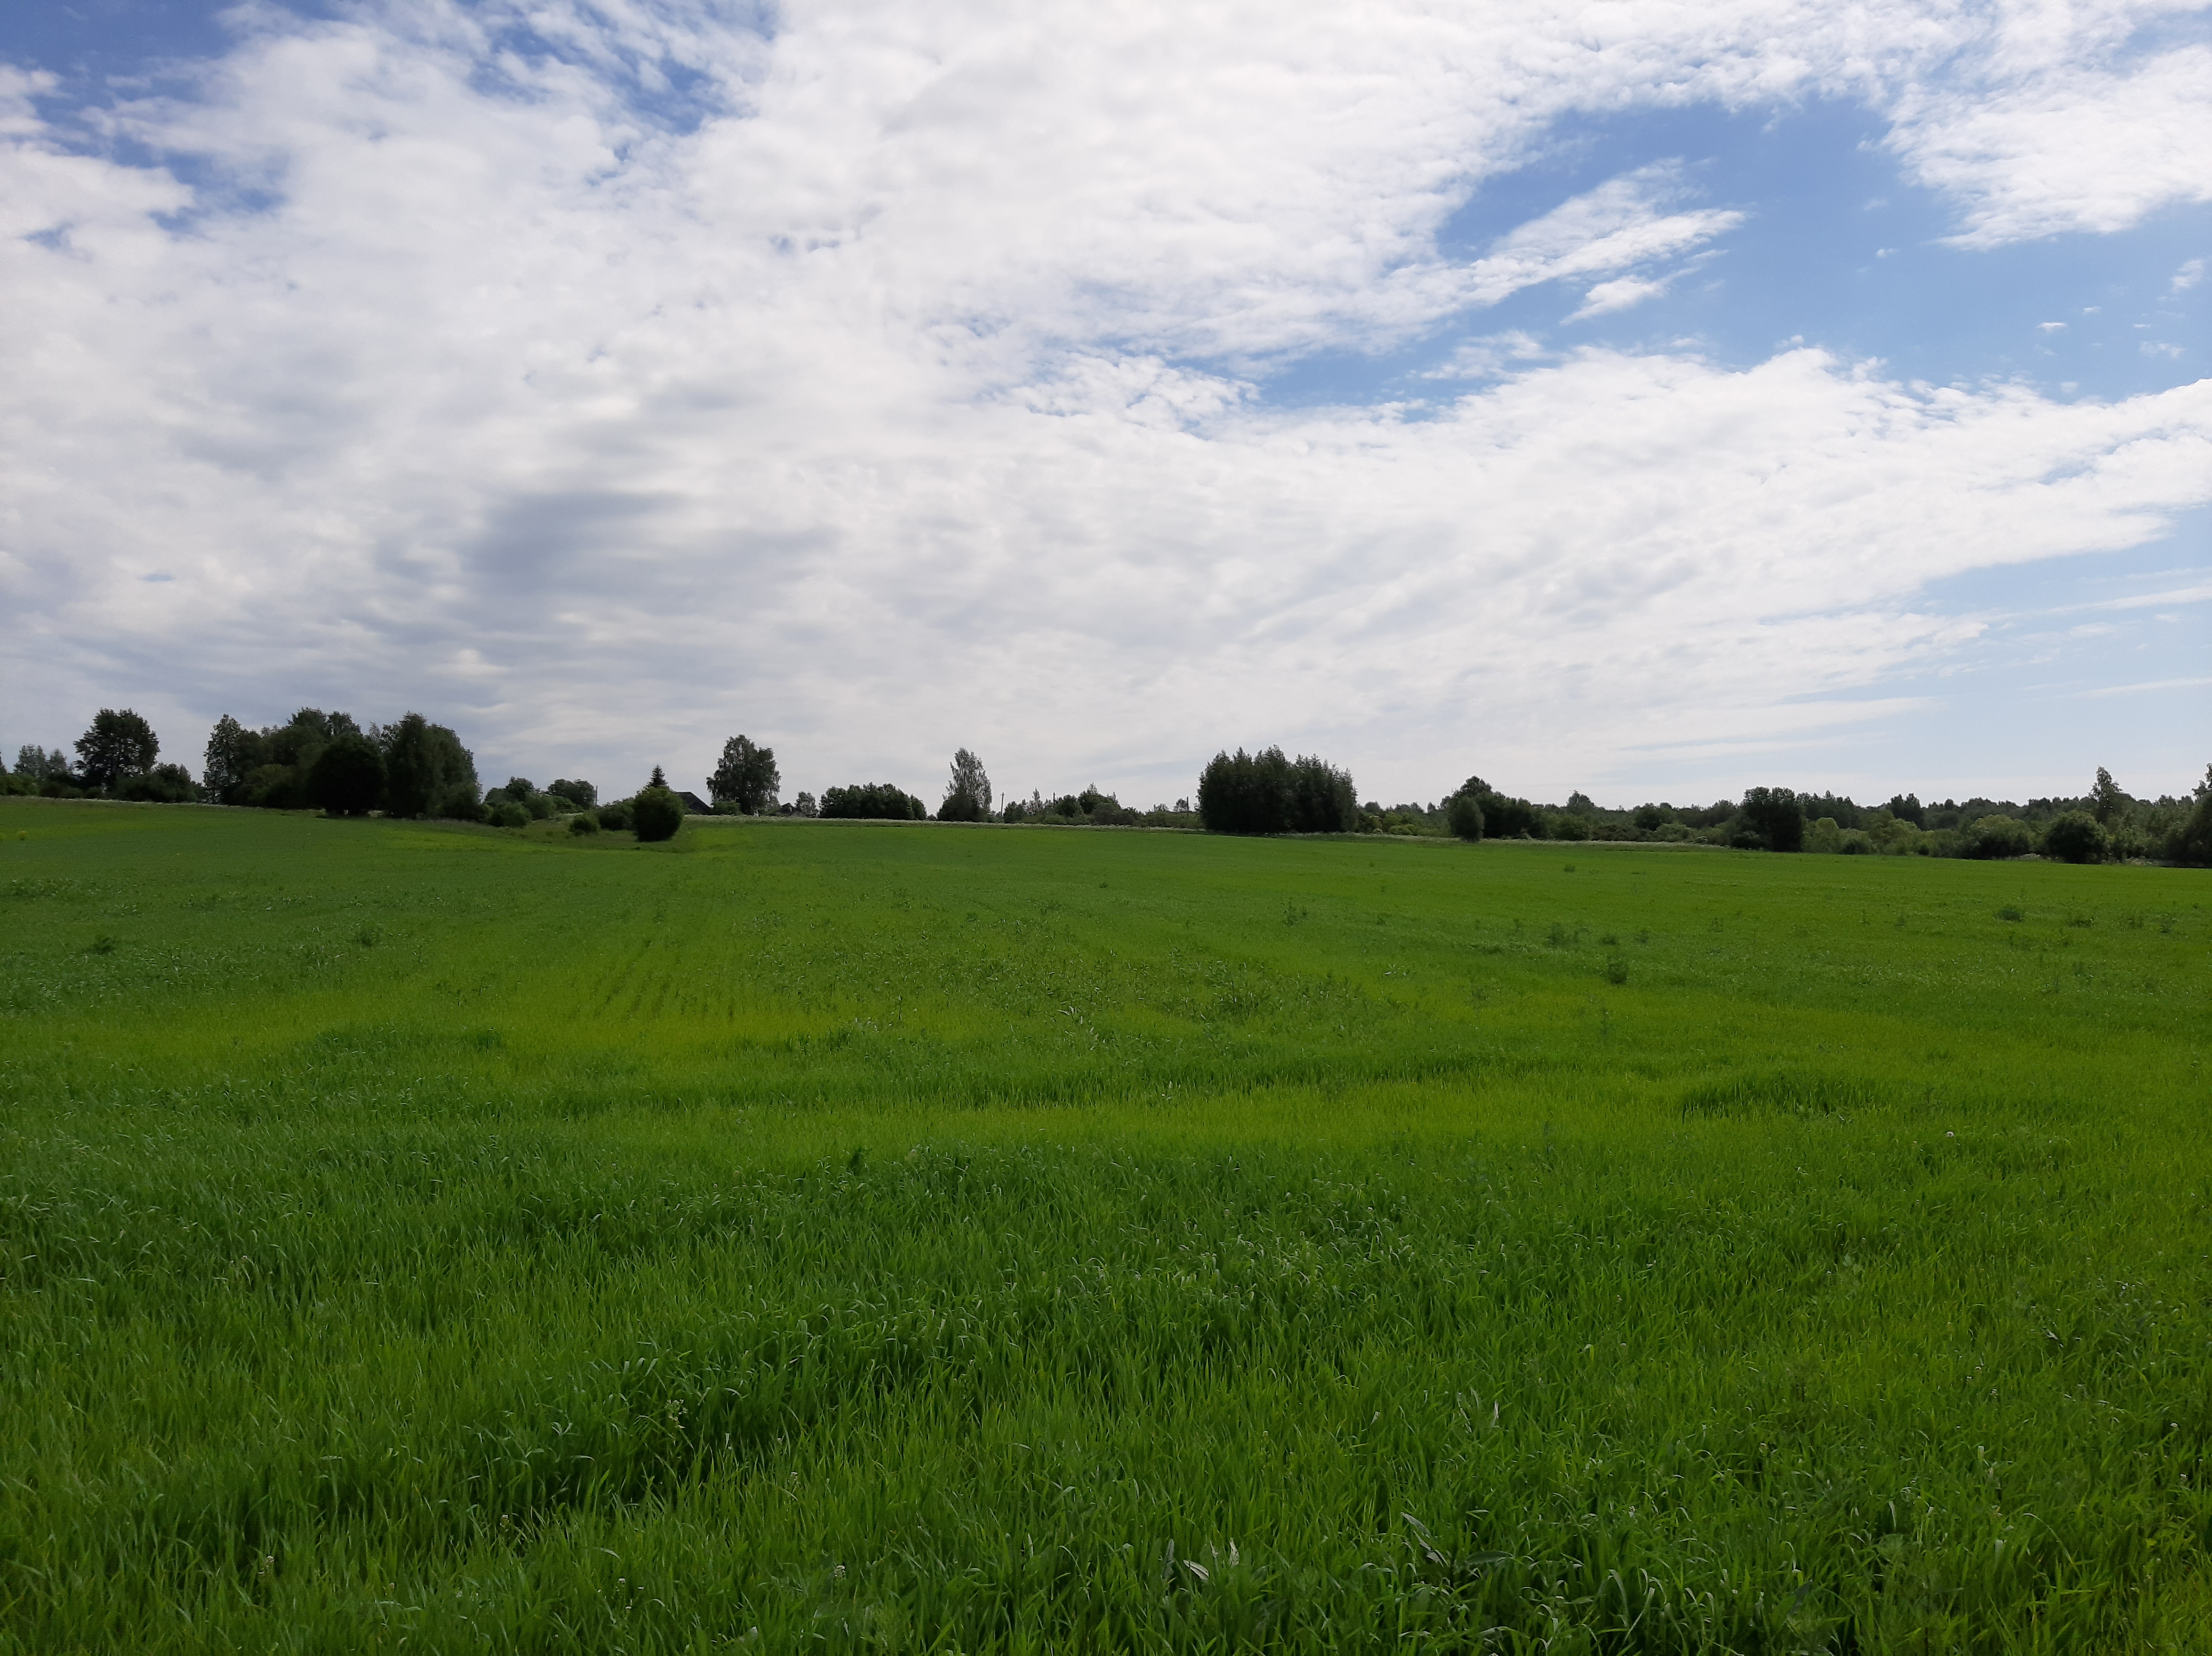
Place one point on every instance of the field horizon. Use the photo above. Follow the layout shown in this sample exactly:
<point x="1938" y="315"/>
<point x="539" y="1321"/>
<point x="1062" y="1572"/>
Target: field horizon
<point x="877" y="1237"/>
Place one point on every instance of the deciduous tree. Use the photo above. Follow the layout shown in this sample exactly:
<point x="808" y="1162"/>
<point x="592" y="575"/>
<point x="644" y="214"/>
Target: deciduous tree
<point x="117" y="745"/>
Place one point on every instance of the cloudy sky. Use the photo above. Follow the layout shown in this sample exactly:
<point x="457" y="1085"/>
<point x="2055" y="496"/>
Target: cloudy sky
<point x="1645" y="398"/>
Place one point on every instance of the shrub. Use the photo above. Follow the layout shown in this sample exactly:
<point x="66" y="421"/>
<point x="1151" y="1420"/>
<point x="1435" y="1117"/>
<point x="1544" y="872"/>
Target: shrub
<point x="1565" y="826"/>
<point x="1463" y="814"/>
<point x="613" y="815"/>
<point x="583" y="823"/>
<point x="347" y="779"/>
<point x="656" y="813"/>
<point x="164" y="784"/>
<point x="459" y="803"/>
<point x="508" y="815"/>
<point x="2077" y="836"/>
<point x="1995" y="837"/>
<point x="581" y="795"/>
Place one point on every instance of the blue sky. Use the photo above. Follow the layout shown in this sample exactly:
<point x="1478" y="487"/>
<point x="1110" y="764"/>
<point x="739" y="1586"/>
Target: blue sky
<point x="1750" y="395"/>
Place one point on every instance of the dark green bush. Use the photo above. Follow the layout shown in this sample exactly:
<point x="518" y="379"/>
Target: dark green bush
<point x="508" y="815"/>
<point x="1994" y="837"/>
<point x="1463" y="814"/>
<point x="583" y="823"/>
<point x="656" y="814"/>
<point x="164" y="784"/>
<point x="2077" y="836"/>
<point x="615" y="816"/>
<point x="347" y="779"/>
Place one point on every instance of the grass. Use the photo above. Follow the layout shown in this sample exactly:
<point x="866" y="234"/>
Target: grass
<point x="920" y="1237"/>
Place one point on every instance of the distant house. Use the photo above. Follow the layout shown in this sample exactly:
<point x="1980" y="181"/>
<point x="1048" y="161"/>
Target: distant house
<point x="692" y="804"/>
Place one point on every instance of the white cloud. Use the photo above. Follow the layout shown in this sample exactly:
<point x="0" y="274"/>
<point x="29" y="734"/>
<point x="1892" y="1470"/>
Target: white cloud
<point x="1617" y="295"/>
<point x="2063" y="134"/>
<point x="887" y="407"/>
<point x="1618" y="225"/>
<point x="2187" y="276"/>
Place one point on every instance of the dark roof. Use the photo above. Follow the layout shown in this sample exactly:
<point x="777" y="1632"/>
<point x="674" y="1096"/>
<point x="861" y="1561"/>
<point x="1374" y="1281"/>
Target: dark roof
<point x="693" y="804"/>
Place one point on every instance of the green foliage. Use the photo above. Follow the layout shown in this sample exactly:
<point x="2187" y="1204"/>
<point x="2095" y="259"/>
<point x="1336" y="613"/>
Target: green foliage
<point x="2108" y="804"/>
<point x="883" y="801"/>
<point x="2077" y="836"/>
<point x="116" y="746"/>
<point x="968" y="792"/>
<point x="1503" y="817"/>
<point x="2192" y="842"/>
<point x="428" y="771"/>
<point x="347" y="779"/>
<point x="1463" y="811"/>
<point x="656" y="813"/>
<point x="1268" y="793"/>
<point x="581" y="795"/>
<point x="164" y="784"/>
<point x="415" y="1236"/>
<point x="1995" y="837"/>
<point x="506" y="813"/>
<point x="233" y="754"/>
<point x="746" y="778"/>
<point x="615" y="815"/>
<point x="1771" y="820"/>
<point x="583" y="823"/>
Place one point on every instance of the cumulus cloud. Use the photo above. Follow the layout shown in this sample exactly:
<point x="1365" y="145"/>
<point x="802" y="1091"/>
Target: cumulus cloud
<point x="611" y="381"/>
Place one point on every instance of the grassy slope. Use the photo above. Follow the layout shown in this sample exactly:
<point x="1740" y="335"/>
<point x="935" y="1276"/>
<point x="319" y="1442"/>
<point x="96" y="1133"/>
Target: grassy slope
<point x="919" y="1237"/>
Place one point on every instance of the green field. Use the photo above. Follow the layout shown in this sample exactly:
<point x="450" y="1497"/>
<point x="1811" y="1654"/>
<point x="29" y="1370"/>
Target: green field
<point x="812" y="1235"/>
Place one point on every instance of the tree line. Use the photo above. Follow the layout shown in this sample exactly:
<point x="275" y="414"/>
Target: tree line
<point x="332" y="763"/>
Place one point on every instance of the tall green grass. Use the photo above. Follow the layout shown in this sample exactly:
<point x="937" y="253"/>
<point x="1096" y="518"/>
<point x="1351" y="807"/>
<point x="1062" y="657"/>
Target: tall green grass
<point x="920" y="1238"/>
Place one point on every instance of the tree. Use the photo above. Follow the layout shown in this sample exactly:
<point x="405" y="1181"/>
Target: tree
<point x="233" y="754"/>
<point x="2077" y="836"/>
<point x="876" y="801"/>
<point x="347" y="779"/>
<point x="581" y="795"/>
<point x="1463" y="813"/>
<point x="1503" y="817"/>
<point x="427" y="771"/>
<point x="35" y="765"/>
<point x="2192" y="842"/>
<point x="746" y="777"/>
<point x="1266" y="792"/>
<point x="1771" y="820"/>
<point x="117" y="745"/>
<point x="656" y="813"/>
<point x="2106" y="802"/>
<point x="968" y="795"/>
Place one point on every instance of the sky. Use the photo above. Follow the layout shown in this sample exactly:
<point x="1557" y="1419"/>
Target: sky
<point x="1650" y="399"/>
